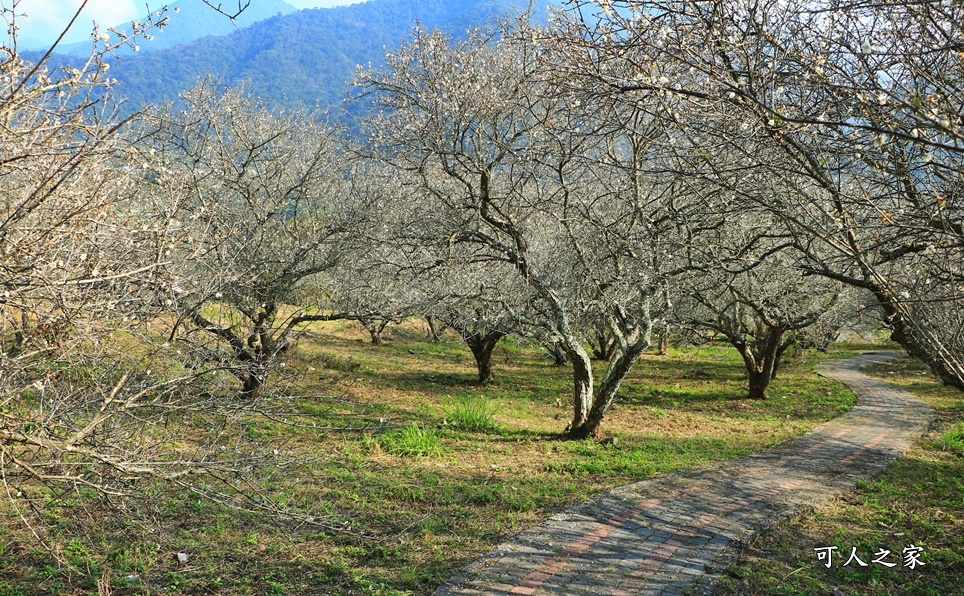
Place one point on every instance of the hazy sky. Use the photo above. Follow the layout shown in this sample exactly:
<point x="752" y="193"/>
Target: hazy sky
<point x="47" y="18"/>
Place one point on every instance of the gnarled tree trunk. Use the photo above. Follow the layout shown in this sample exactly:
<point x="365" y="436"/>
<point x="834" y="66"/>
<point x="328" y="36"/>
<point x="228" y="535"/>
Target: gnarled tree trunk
<point x="761" y="358"/>
<point x="582" y="386"/>
<point x="482" y="346"/>
<point x="374" y="327"/>
<point x="620" y="366"/>
<point x="663" y="342"/>
<point x="632" y="343"/>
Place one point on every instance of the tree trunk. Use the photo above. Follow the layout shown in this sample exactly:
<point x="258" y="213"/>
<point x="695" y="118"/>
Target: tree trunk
<point x="252" y="385"/>
<point x="618" y="369"/>
<point x="784" y="346"/>
<point x="761" y="359"/>
<point x="945" y="371"/>
<point x="903" y="332"/>
<point x="758" y="383"/>
<point x="582" y="386"/>
<point x="482" y="347"/>
<point x="435" y="329"/>
<point x="663" y="346"/>
<point x="603" y="345"/>
<point x="375" y="328"/>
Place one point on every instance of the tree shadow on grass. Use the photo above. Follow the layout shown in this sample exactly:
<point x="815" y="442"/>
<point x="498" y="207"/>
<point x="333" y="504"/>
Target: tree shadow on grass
<point x="432" y="379"/>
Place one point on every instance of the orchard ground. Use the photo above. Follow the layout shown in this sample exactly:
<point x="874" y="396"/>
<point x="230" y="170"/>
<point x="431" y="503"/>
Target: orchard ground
<point x="413" y="470"/>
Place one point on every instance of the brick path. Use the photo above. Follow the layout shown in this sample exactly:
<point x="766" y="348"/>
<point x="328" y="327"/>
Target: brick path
<point x="665" y="534"/>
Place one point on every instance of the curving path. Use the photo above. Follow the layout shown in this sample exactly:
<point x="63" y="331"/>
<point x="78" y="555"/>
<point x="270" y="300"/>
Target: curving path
<point x="665" y="534"/>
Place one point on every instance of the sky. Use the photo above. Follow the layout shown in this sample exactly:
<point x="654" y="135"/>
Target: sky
<point x="47" y="18"/>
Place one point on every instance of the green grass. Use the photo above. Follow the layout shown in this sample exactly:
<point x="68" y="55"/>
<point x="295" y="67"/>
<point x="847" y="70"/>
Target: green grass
<point x="917" y="501"/>
<point x="459" y="468"/>
<point x="953" y="439"/>
<point x="474" y="414"/>
<point x="411" y="440"/>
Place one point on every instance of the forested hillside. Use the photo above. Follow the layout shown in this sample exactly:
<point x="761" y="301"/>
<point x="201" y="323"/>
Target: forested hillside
<point x="304" y="58"/>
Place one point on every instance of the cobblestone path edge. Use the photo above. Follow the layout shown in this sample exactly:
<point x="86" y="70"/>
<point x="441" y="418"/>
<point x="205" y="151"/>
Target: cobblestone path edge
<point x="680" y="531"/>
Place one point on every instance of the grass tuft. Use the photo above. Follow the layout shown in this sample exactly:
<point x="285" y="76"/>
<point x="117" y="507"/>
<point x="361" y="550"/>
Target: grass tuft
<point x="476" y="414"/>
<point x="953" y="439"/>
<point x="412" y="441"/>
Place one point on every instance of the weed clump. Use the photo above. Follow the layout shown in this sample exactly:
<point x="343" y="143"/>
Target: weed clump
<point x="953" y="439"/>
<point x="412" y="441"/>
<point x="475" y="414"/>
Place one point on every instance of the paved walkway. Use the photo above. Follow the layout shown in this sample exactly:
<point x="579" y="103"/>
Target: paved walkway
<point x="665" y="534"/>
